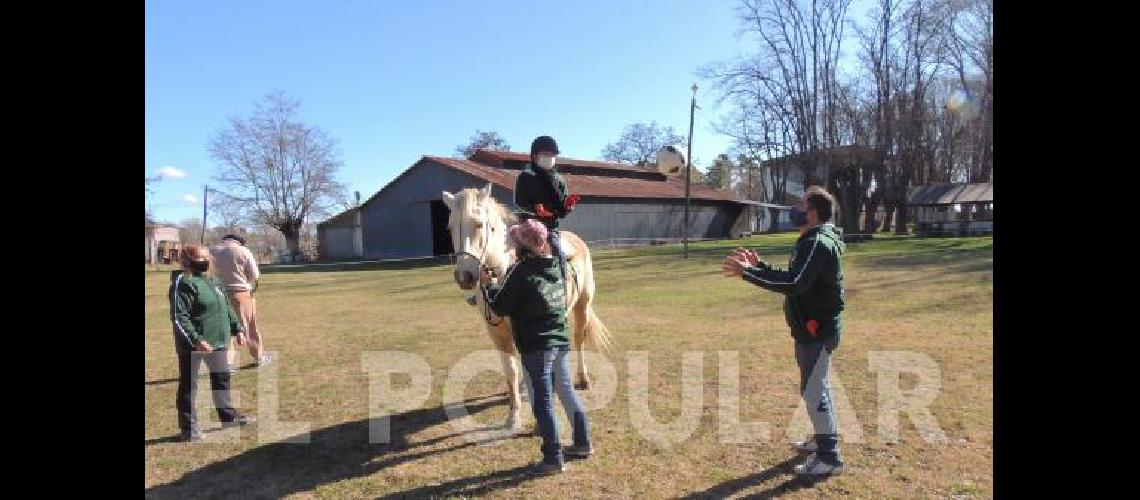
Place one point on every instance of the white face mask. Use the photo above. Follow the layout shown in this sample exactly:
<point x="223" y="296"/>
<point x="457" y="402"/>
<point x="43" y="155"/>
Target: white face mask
<point x="546" y="162"/>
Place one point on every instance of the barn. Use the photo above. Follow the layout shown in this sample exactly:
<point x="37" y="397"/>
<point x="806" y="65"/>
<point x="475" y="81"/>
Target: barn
<point x="620" y="204"/>
<point x="957" y="209"/>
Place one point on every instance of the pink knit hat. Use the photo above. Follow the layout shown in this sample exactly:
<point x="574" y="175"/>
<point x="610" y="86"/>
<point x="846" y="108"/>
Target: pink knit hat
<point x="530" y="234"/>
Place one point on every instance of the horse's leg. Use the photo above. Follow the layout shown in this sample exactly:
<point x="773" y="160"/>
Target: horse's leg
<point x="511" y="370"/>
<point x="580" y="322"/>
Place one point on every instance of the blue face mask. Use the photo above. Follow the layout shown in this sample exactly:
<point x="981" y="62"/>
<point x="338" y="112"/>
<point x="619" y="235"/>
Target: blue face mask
<point x="797" y="217"/>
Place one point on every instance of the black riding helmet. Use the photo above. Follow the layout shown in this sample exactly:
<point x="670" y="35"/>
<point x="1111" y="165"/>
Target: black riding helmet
<point x="543" y="143"/>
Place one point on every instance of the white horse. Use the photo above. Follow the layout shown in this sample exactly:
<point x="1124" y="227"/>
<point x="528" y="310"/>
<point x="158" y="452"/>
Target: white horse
<point x="478" y="226"/>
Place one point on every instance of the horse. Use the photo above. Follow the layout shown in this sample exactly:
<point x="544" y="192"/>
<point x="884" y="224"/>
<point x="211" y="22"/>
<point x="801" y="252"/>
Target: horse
<point x="478" y="226"/>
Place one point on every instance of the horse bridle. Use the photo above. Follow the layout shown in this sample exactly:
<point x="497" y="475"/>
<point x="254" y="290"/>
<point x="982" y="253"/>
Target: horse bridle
<point x="486" y="243"/>
<point x="479" y="259"/>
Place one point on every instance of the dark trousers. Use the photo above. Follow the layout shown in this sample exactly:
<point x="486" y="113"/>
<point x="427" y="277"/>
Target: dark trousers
<point x="814" y="359"/>
<point x="556" y="245"/>
<point x="189" y="362"/>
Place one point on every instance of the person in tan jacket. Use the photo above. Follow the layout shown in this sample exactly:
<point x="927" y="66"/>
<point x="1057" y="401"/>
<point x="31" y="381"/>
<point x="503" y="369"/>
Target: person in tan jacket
<point x="235" y="268"/>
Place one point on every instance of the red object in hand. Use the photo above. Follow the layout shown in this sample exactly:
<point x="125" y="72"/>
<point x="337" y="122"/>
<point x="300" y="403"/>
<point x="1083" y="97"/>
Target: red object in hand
<point x="812" y="327"/>
<point x="541" y="210"/>
<point x="572" y="200"/>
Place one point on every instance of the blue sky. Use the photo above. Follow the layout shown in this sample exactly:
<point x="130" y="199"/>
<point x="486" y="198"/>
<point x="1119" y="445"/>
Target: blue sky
<point x="395" y="80"/>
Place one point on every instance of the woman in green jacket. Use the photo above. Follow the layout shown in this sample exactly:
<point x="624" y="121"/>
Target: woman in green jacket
<point x="532" y="294"/>
<point x="202" y="321"/>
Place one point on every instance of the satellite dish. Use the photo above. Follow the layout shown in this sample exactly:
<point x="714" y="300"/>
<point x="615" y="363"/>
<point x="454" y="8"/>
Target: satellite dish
<point x="670" y="159"/>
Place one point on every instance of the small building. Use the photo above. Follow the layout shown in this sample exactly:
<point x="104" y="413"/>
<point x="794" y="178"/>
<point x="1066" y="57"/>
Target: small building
<point x="952" y="209"/>
<point x="620" y="204"/>
<point x="341" y="237"/>
<point x="162" y="244"/>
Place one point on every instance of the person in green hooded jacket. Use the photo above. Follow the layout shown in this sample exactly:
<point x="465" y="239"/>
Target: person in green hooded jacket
<point x="203" y="323"/>
<point x="533" y="295"/>
<point x="813" y="307"/>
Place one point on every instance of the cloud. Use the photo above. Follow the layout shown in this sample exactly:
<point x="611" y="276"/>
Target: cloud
<point x="190" y="199"/>
<point x="171" y="173"/>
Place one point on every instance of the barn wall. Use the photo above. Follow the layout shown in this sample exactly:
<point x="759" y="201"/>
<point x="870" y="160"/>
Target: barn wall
<point x="397" y="222"/>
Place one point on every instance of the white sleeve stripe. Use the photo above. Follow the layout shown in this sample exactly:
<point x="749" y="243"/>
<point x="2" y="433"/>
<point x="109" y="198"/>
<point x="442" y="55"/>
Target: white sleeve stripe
<point x="750" y="273"/>
<point x="174" y="310"/>
<point x="802" y="268"/>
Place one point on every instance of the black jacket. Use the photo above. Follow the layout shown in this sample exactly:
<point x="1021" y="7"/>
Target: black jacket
<point x="534" y="187"/>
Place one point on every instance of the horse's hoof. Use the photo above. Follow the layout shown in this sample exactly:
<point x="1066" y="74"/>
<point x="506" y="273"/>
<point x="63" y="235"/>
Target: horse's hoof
<point x="582" y="385"/>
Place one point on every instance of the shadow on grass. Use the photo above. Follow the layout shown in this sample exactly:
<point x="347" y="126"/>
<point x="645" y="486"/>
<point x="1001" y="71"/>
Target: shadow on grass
<point x="468" y="486"/>
<point x="737" y="485"/>
<point x="168" y="439"/>
<point x="201" y="376"/>
<point x="337" y="453"/>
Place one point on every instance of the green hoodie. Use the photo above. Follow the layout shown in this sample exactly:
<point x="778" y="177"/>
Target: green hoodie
<point x="200" y="311"/>
<point x="812" y="285"/>
<point x="533" y="294"/>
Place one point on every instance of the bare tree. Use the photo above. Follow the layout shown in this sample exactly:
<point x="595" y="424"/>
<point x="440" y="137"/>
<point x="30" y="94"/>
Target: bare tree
<point x="227" y="212"/>
<point x="800" y="47"/>
<point x="970" y="50"/>
<point x="639" y="143"/>
<point x="280" y="169"/>
<point x="900" y="123"/>
<point x="190" y="231"/>
<point x="265" y="243"/>
<point x="791" y="83"/>
<point x="761" y="142"/>
<point x="482" y="140"/>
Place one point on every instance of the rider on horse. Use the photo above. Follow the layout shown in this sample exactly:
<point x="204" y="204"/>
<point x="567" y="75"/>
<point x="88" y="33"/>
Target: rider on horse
<point x="541" y="193"/>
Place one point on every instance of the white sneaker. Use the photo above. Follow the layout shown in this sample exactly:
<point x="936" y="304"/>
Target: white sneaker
<point x="265" y="360"/>
<point x="816" y="467"/>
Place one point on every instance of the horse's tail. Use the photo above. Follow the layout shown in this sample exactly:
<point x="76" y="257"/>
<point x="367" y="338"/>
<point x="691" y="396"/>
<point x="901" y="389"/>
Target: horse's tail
<point x="582" y="279"/>
<point x="597" y="333"/>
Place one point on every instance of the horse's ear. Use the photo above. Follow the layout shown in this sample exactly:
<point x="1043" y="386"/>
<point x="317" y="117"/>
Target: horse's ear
<point x="486" y="192"/>
<point x="449" y="200"/>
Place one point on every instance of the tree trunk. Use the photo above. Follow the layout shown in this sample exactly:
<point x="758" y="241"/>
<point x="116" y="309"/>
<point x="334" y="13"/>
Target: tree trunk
<point x="849" y="214"/>
<point x="900" y="219"/>
<point x="292" y="233"/>
<point x="890" y="217"/>
<point x="871" y="207"/>
<point x="774" y="218"/>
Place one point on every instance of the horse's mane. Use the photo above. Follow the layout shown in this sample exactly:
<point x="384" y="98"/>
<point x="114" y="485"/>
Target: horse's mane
<point x="508" y="216"/>
<point x="509" y="219"/>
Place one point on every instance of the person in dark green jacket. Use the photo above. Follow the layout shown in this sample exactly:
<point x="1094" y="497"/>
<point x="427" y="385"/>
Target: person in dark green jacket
<point x="541" y="193"/>
<point x="532" y="295"/>
<point x="203" y="323"/>
<point x="813" y="306"/>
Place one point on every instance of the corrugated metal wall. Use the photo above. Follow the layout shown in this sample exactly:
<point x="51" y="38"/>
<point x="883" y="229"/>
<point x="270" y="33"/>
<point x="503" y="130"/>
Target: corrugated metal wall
<point x="336" y="243"/>
<point x="397" y="224"/>
<point x="609" y="218"/>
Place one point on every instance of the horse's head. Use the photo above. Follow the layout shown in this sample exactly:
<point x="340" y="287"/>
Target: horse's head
<point x="478" y="227"/>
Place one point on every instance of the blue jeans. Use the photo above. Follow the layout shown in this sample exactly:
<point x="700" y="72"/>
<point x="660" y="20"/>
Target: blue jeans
<point x="549" y="371"/>
<point x="816" y="392"/>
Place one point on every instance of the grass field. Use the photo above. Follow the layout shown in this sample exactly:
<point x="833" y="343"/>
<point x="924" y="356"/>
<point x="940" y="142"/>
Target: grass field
<point x="928" y="296"/>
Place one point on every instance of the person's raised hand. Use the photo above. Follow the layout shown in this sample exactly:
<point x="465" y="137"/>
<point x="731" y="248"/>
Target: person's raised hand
<point x="733" y="266"/>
